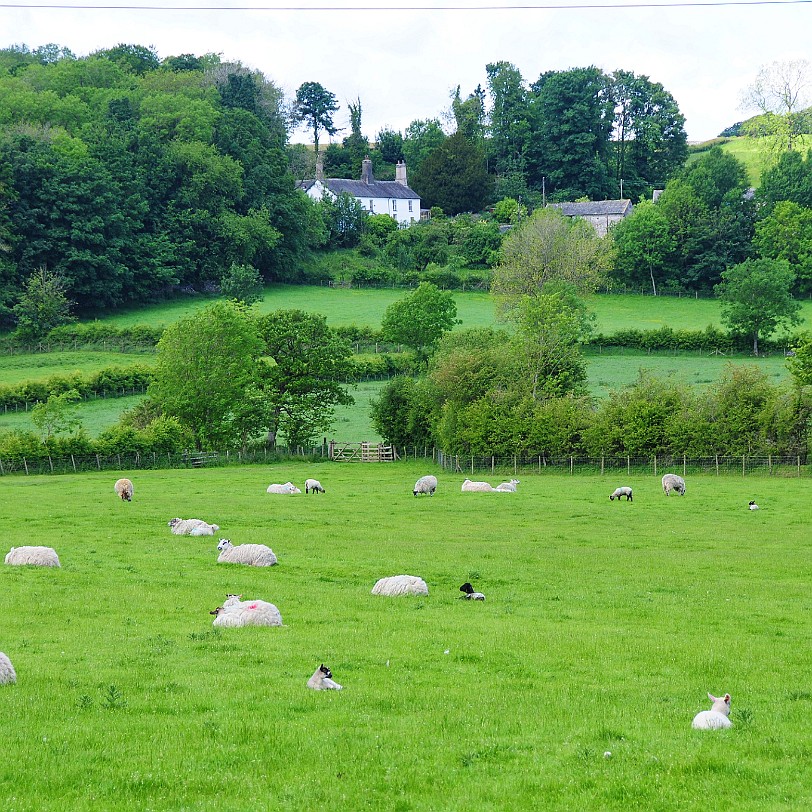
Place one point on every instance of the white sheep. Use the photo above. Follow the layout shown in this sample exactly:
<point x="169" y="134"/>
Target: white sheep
<point x="426" y="484"/>
<point x="397" y="585"/>
<point x="672" y="482"/>
<point x="124" y="489"/>
<point x="508" y="487"/>
<point x="716" y="717"/>
<point x="313" y="486"/>
<point x="477" y="487"/>
<point x="254" y="555"/>
<point x="192" y="527"/>
<point x="7" y="672"/>
<point x="35" y="556"/>
<point x="752" y="506"/>
<point x="322" y="680"/>
<point x="618" y="492"/>
<point x="287" y="489"/>
<point x="246" y="613"/>
<point x="470" y="593"/>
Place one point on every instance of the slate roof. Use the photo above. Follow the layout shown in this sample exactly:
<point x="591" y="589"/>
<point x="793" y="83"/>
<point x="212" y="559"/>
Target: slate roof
<point x="596" y="208"/>
<point x="374" y="189"/>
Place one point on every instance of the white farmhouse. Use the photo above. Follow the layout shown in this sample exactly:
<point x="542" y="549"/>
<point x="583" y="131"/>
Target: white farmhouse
<point x="392" y="197"/>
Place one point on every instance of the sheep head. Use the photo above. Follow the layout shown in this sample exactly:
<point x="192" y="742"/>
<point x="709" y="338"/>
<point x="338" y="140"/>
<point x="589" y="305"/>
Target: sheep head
<point x="223" y="543"/>
<point x="720" y="704"/>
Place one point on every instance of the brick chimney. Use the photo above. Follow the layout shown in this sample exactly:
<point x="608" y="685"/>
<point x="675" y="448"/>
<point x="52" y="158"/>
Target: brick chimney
<point x="366" y="171"/>
<point x="400" y="173"/>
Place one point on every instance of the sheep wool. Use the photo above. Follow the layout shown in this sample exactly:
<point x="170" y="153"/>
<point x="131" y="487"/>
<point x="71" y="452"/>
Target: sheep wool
<point x="192" y="527"/>
<point x="287" y="489"/>
<point x="507" y="487"/>
<point x="247" y="613"/>
<point x="313" y="486"/>
<point x="716" y="717"/>
<point x="477" y="487"/>
<point x="618" y="492"/>
<point x="124" y="489"/>
<point x="35" y="556"/>
<point x="426" y="484"/>
<point x="322" y="680"/>
<point x="254" y="555"/>
<point x="672" y="482"/>
<point x="7" y="673"/>
<point x="397" y="585"/>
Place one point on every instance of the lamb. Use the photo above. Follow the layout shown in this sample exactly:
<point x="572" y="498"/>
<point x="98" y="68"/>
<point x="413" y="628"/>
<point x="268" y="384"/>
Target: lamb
<point x="672" y="482"/>
<point x="35" y="556"/>
<point x="322" y="680"/>
<point x="246" y="613"/>
<point x="397" y="585"/>
<point x="288" y="488"/>
<point x="254" y="555"/>
<point x="192" y="527"/>
<point x="477" y="487"/>
<point x="470" y="594"/>
<point x="716" y="717"/>
<point x="426" y="484"/>
<point x="508" y="487"/>
<point x="618" y="492"/>
<point x="7" y="672"/>
<point x="313" y="486"/>
<point x="124" y="489"/>
<point x="752" y="506"/>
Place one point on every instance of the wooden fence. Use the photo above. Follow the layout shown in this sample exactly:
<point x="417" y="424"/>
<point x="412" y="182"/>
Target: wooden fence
<point x="361" y="452"/>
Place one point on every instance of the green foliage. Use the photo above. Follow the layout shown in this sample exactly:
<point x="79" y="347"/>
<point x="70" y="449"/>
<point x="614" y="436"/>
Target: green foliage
<point x="508" y="210"/>
<point x="242" y="283"/>
<point x="55" y="415"/>
<point x="314" y="106"/>
<point x="786" y="233"/>
<point x="43" y="305"/>
<point x="420" y="318"/>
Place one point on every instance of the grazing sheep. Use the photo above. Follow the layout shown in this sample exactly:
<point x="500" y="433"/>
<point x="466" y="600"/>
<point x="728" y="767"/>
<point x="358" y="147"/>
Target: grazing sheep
<point x="716" y="717"/>
<point x="35" y="556"/>
<point x="313" y="486"/>
<point x="286" y="489"/>
<point x="752" y="506"/>
<point x="398" y="585"/>
<point x="477" y="487"/>
<point x="618" y="492"/>
<point x="246" y="613"/>
<point x="508" y="487"/>
<point x="672" y="482"/>
<point x="7" y="672"/>
<point x="470" y="594"/>
<point x="192" y="527"/>
<point x="254" y="555"/>
<point x="124" y="489"/>
<point x="322" y="680"/>
<point x="426" y="484"/>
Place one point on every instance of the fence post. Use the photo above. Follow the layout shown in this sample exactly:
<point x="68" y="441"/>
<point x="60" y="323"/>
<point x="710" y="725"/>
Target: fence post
<point x="655" y="465"/>
<point x="628" y="465"/>
<point x="514" y="465"/>
<point x="742" y="464"/>
<point x="770" y="463"/>
<point x="799" y="465"/>
<point x="539" y="463"/>
<point x="472" y="463"/>
<point x="601" y="464"/>
<point x="492" y="464"/>
<point x="98" y="462"/>
<point x="1" y="468"/>
<point x="571" y="465"/>
<point x="51" y="463"/>
<point x="683" y="465"/>
<point x="25" y="464"/>
<point x="717" y="465"/>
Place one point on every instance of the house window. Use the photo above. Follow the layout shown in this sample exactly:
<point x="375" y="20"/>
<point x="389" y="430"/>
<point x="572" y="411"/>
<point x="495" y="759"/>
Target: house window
<point x="394" y="205"/>
<point x="410" y="205"/>
<point x="370" y="206"/>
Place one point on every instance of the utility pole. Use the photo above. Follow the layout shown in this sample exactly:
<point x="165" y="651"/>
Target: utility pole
<point x="543" y="191"/>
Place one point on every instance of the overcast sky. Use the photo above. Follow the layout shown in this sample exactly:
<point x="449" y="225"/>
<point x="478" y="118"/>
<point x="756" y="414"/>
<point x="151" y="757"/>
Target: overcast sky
<point x="403" y="63"/>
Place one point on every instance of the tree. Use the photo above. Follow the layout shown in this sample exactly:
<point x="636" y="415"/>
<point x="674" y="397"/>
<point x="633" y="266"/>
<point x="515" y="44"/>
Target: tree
<point x="390" y="145"/>
<point x="420" y="139"/>
<point x="56" y="415"/>
<point x="314" y="106"/>
<point x="242" y="283"/>
<point x="420" y="318"/>
<point x="786" y="233"/>
<point x="43" y="305"/>
<point x="469" y="115"/>
<point x="509" y="128"/>
<point x="756" y="298"/>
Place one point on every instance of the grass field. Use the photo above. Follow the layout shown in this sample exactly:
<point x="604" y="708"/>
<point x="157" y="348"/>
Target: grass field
<point x="750" y="151"/>
<point x="604" y="627"/>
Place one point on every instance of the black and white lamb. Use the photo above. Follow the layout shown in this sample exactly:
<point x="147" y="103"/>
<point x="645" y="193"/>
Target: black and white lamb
<point x="322" y="680"/>
<point x="254" y="555"/>
<point x="470" y="593"/>
<point x="672" y="482"/>
<point x="426" y="484"/>
<point x="124" y="489"/>
<point x="752" y="506"/>
<point x="618" y="492"/>
<point x="7" y="673"/>
<point x="32" y="556"/>
<point x="313" y="486"/>
<point x="717" y="717"/>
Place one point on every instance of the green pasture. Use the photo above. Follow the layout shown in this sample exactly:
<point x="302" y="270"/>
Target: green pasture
<point x="752" y="152"/>
<point x="22" y="367"/>
<point x="571" y="687"/>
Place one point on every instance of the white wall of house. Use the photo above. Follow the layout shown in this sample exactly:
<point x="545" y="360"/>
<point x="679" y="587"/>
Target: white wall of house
<point x="404" y="211"/>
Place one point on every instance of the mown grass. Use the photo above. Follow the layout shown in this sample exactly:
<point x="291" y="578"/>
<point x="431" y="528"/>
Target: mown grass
<point x="22" y="367"/>
<point x="605" y="625"/>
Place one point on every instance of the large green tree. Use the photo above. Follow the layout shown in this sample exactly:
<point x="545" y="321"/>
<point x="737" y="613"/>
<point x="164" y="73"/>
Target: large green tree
<point x="314" y="106"/>
<point x="42" y="306"/>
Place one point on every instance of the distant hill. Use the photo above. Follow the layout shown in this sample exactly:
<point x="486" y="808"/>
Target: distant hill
<point x="751" y="152"/>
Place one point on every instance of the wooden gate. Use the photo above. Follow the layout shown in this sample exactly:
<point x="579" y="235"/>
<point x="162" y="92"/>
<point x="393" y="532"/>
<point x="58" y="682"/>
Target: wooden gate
<point x="362" y="452"/>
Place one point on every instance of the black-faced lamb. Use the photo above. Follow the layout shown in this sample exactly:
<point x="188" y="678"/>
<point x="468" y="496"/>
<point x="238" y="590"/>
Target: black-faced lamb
<point x="672" y="482"/>
<point x="752" y="506"/>
<point x="397" y="585"/>
<point x="7" y="673"/>
<point x="124" y="489"/>
<point x="192" y="527"/>
<point x="426" y="484"/>
<point x="246" y="613"/>
<point x="254" y="555"/>
<point x="477" y="487"/>
<point x="322" y="680"/>
<point x="313" y="486"/>
<point x="618" y="492"/>
<point x="32" y="556"/>
<point x="715" y="718"/>
<point x="470" y="593"/>
<point x="287" y="489"/>
<point x="507" y="487"/>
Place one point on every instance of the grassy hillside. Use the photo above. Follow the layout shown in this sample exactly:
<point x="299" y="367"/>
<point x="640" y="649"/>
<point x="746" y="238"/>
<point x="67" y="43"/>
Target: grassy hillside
<point x="571" y="687"/>
<point x="750" y="151"/>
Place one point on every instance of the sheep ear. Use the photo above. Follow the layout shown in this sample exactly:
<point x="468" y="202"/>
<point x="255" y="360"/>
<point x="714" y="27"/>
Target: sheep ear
<point x="727" y="698"/>
<point x="711" y="697"/>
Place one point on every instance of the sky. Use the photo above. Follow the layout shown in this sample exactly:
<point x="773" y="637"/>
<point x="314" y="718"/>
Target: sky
<point x="404" y="59"/>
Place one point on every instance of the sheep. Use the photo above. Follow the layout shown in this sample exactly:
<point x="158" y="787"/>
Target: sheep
<point x="397" y="585"/>
<point x="313" y="486"/>
<point x="716" y="717"/>
<point x="478" y="487"/>
<point x="752" y="506"/>
<point x="287" y="489"/>
<point x="246" y="613"/>
<point x="254" y="555"/>
<point x="426" y="484"/>
<point x="124" y="489"/>
<point x="672" y="482"/>
<point x="470" y="594"/>
<point x="618" y="492"/>
<point x="7" y="672"/>
<point x="192" y="527"/>
<point x="35" y="556"/>
<point x="508" y="487"/>
<point x="322" y="680"/>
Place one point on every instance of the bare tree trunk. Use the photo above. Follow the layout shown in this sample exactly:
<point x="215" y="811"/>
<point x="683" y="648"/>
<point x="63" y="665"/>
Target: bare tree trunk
<point x="651" y="274"/>
<point x="755" y="345"/>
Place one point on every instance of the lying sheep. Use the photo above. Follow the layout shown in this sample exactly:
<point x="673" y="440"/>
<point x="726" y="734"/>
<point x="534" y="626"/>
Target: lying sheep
<point x="313" y="486"/>
<point x="322" y="680"/>
<point x="426" y="484"/>
<point x="246" y="613"/>
<point x="618" y="492"/>
<point x="254" y="555"/>
<point x="35" y="556"/>
<point x="7" y="672"/>
<point x="124" y="489"/>
<point x="752" y="506"/>
<point x="470" y="594"/>
<point x="508" y="487"/>
<point x="716" y="717"/>
<point x="397" y="585"/>
<point x="477" y="487"/>
<point x="192" y="527"/>
<point x="672" y="482"/>
<point x="286" y="489"/>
